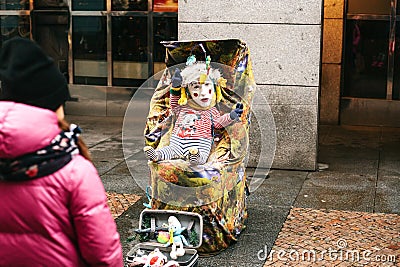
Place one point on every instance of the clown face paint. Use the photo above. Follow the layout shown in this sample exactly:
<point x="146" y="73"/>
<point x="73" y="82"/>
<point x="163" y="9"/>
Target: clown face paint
<point x="201" y="93"/>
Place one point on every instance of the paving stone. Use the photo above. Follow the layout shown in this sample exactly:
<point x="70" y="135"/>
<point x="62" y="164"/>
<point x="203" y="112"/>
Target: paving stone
<point x="312" y="237"/>
<point x="388" y="189"/>
<point x="119" y="203"/>
<point x="97" y="129"/>
<point x="123" y="184"/>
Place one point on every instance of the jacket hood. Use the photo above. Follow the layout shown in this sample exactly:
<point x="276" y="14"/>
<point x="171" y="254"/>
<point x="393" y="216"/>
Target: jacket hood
<point x="25" y="129"/>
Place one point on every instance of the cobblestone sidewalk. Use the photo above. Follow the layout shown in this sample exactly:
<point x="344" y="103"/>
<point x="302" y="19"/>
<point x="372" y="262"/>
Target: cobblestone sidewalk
<point x="119" y="203"/>
<point x="337" y="238"/>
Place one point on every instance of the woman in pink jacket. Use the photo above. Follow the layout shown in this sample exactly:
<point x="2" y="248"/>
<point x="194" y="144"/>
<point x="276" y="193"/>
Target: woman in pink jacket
<point x="53" y="205"/>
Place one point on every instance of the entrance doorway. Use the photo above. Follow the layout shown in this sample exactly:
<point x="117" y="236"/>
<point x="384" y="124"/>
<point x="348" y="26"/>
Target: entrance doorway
<point x="371" y="70"/>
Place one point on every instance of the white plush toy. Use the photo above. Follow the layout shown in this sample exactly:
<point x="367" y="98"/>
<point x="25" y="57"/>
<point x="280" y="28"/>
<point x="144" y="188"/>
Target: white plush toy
<point x="176" y="238"/>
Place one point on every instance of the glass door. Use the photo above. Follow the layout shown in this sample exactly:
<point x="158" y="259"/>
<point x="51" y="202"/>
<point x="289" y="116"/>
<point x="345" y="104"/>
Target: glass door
<point x="371" y="78"/>
<point x="366" y="66"/>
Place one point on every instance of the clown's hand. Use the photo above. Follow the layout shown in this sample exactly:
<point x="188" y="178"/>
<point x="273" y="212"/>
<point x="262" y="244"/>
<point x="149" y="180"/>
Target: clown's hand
<point x="177" y="79"/>
<point x="237" y="112"/>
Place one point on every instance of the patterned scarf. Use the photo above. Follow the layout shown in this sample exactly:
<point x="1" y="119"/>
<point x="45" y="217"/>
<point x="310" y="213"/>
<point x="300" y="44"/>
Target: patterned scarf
<point x="44" y="161"/>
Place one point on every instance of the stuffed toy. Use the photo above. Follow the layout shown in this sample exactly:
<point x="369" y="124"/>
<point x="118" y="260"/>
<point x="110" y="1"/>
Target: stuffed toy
<point x="196" y="114"/>
<point x="176" y="239"/>
<point x="154" y="259"/>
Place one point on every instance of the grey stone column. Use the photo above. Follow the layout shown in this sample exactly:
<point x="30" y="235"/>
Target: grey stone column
<point x="284" y="37"/>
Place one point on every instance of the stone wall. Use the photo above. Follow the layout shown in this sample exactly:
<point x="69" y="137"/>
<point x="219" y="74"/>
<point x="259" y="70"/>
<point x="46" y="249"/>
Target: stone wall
<point x="331" y="61"/>
<point x="284" y="38"/>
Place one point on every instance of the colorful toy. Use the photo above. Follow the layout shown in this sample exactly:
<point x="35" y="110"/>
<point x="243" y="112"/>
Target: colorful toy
<point x="163" y="237"/>
<point x="197" y="115"/>
<point x="154" y="259"/>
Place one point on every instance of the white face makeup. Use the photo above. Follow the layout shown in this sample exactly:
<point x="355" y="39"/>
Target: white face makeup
<point x="201" y="93"/>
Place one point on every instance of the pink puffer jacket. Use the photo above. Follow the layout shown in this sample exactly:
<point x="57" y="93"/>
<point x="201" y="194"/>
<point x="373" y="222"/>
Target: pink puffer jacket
<point x="58" y="220"/>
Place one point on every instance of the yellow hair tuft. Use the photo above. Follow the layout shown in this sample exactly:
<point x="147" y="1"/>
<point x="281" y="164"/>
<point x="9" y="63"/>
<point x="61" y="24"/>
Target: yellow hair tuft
<point x="183" y="100"/>
<point x="218" y="93"/>
<point x="221" y="82"/>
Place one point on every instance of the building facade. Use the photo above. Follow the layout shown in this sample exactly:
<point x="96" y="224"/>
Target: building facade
<point x="315" y="62"/>
<point x="105" y="48"/>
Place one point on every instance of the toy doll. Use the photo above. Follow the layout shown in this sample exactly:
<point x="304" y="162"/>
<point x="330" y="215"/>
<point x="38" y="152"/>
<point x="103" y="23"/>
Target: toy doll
<point x="197" y="116"/>
<point x="176" y="238"/>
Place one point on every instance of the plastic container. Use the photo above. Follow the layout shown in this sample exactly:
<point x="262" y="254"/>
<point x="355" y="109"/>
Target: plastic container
<point x="152" y="221"/>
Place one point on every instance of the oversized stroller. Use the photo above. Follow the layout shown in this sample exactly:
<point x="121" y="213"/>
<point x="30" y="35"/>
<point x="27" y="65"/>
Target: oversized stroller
<point x="217" y="189"/>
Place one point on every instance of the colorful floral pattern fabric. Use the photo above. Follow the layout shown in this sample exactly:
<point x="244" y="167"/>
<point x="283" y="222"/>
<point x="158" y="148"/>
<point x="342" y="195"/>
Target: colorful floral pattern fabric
<point x="219" y="187"/>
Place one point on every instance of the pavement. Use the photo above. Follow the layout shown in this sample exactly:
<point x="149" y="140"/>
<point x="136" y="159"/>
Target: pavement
<point x="345" y="214"/>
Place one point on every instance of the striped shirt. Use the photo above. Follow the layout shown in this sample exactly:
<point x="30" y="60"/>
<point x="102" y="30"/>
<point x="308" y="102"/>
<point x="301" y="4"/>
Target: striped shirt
<point x="192" y="123"/>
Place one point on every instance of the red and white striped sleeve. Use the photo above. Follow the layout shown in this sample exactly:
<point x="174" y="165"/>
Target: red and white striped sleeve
<point x="173" y="101"/>
<point x="220" y="121"/>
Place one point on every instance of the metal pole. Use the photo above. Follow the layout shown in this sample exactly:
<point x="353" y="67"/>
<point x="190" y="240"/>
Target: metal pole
<point x="391" y="48"/>
<point x="109" y="45"/>
<point x="150" y="38"/>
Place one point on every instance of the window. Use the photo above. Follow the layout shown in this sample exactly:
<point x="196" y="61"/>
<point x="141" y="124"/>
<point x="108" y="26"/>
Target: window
<point x="89" y="50"/>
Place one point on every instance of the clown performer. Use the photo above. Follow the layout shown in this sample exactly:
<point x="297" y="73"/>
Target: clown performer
<point x="197" y="116"/>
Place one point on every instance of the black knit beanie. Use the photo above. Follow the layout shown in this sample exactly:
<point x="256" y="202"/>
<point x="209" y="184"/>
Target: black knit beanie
<point x="29" y="76"/>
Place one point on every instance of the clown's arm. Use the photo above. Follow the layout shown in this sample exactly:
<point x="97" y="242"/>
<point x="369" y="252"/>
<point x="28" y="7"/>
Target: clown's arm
<point x="173" y="100"/>
<point x="226" y="119"/>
